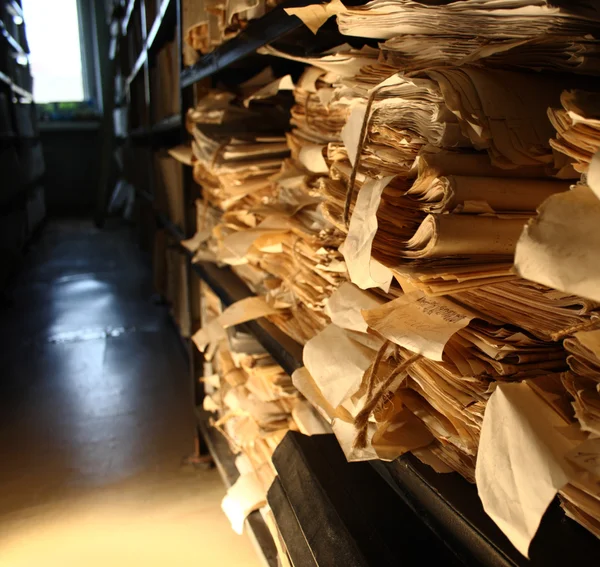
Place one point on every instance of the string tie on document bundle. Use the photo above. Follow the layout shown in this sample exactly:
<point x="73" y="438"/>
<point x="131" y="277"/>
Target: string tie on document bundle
<point x="375" y="395"/>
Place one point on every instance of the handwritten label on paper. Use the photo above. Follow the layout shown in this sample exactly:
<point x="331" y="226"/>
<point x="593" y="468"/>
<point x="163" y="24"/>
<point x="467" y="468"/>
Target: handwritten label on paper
<point x="421" y="324"/>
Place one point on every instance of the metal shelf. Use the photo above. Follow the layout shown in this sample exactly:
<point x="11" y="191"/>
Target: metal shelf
<point x="273" y="26"/>
<point x="16" y="46"/>
<point x="127" y="17"/>
<point x="165" y="127"/>
<point x="16" y="89"/>
<point x="158" y="20"/>
<point x="15" y="10"/>
<point x="225" y="463"/>
<point x="152" y="35"/>
<point x="167" y="124"/>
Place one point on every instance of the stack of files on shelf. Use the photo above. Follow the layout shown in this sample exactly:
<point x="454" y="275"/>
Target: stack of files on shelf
<point x="411" y="171"/>
<point x="168" y="190"/>
<point x="432" y="176"/>
<point x="493" y="21"/>
<point x="253" y="402"/>
<point x="208" y="25"/>
<point x="271" y="231"/>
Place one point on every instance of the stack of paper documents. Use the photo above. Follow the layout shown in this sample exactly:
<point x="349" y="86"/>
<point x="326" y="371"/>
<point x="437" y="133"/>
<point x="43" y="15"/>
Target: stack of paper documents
<point x="490" y="19"/>
<point x="575" y="54"/>
<point x="577" y="126"/>
<point x="207" y="25"/>
<point x="436" y="176"/>
<point x="253" y="399"/>
<point x="272" y="231"/>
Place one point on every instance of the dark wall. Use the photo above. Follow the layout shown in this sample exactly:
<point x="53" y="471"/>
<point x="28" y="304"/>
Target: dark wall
<point x="72" y="156"/>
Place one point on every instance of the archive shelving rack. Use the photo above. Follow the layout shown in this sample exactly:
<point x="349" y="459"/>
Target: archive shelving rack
<point x="22" y="206"/>
<point x="445" y="504"/>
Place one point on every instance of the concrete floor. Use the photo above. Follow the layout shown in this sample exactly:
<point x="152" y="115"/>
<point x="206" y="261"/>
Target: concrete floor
<point x="95" y="417"/>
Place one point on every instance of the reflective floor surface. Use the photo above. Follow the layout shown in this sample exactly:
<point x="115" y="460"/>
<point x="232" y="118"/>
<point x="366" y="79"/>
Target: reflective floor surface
<point x="95" y="416"/>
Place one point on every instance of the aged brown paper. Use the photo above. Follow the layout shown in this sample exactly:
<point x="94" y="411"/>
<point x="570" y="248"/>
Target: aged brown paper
<point x="245" y="310"/>
<point x="315" y="15"/>
<point x="345" y="306"/>
<point x="520" y="463"/>
<point x="419" y="323"/>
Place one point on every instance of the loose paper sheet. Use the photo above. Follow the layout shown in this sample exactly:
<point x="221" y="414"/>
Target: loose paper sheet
<point x="245" y="496"/>
<point x="244" y="310"/>
<point x="419" y="323"/>
<point x="365" y="271"/>
<point x="307" y="419"/>
<point x="209" y="336"/>
<point x="281" y="84"/>
<point x="520" y="464"/>
<point x="306" y="385"/>
<point x="559" y="248"/>
<point x="336" y="363"/>
<point x="192" y="244"/>
<point x="345" y="306"/>
<point x="351" y="130"/>
<point x="315" y="15"/>
<point x="182" y="154"/>
<point x="311" y="157"/>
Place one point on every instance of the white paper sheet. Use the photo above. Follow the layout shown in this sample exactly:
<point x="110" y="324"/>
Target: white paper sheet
<point x="336" y="363"/>
<point x="245" y="496"/>
<point x="244" y="310"/>
<point x="366" y="272"/>
<point x="559" y="248"/>
<point x="520" y="463"/>
<point x="311" y="157"/>
<point x="345" y="306"/>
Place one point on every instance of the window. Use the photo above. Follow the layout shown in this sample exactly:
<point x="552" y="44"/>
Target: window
<point x="57" y="59"/>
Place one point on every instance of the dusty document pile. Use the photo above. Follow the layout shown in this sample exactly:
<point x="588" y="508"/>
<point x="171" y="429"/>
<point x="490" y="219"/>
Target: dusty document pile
<point x="254" y="404"/>
<point x="208" y="23"/>
<point x="272" y="231"/>
<point x="444" y="343"/>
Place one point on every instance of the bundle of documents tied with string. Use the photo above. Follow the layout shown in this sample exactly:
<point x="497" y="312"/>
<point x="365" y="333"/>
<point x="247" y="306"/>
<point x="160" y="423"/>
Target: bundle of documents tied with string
<point x="253" y="401"/>
<point x="437" y="346"/>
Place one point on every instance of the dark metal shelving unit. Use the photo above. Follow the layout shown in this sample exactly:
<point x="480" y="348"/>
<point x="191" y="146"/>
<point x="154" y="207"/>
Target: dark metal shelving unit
<point x="22" y="206"/>
<point x="446" y="503"/>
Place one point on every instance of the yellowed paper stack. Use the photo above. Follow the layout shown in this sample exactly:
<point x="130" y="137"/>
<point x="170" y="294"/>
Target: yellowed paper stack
<point x="209" y="23"/>
<point x="432" y="175"/>
<point x="253" y="399"/>
<point x="492" y="20"/>
<point x="577" y="125"/>
<point x="379" y="228"/>
<point x="272" y="230"/>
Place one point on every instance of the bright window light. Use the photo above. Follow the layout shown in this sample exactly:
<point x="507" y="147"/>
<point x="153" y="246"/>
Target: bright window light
<point x="52" y="28"/>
